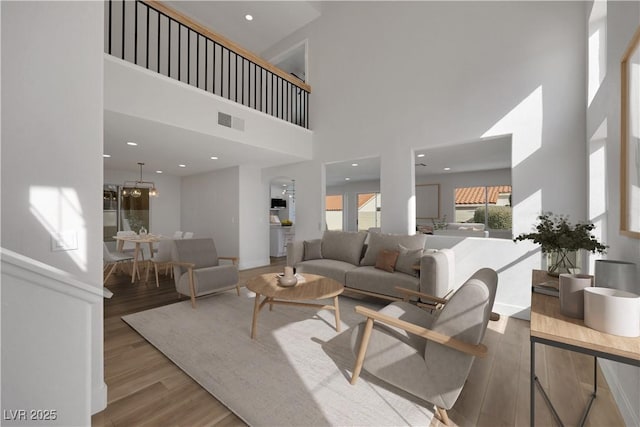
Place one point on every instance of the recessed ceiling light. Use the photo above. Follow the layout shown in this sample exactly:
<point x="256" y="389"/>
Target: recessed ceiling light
<point x="447" y="169"/>
<point x="106" y="155"/>
<point x="182" y="166"/>
<point x="248" y="17"/>
<point x="420" y="155"/>
<point x="354" y="164"/>
<point x="347" y="179"/>
<point x="133" y="144"/>
<point x="214" y="157"/>
<point x="158" y="171"/>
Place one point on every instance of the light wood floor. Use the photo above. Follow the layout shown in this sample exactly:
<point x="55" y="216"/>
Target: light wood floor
<point x="147" y="389"/>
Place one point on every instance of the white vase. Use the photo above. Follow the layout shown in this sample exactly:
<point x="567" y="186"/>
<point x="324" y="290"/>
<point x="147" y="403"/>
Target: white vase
<point x="612" y="311"/>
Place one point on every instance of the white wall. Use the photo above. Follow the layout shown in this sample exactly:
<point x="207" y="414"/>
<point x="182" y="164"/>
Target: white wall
<point x="445" y="72"/>
<point x="621" y="19"/>
<point x="254" y="218"/>
<point x="209" y="207"/>
<point x="508" y="68"/>
<point x="164" y="215"/>
<point x="52" y="126"/>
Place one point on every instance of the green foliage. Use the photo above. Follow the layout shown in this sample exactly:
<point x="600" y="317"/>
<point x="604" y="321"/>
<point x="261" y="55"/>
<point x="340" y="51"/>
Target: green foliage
<point x="554" y="233"/>
<point x="499" y="217"/>
<point x="440" y="224"/>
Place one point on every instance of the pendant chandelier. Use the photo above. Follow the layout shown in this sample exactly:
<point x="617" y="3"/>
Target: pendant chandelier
<point x="134" y="188"/>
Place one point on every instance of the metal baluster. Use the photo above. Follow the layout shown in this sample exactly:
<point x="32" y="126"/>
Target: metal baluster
<point x="147" y="41"/>
<point x="198" y="60"/>
<point x="188" y="55"/>
<point x="158" y="65"/>
<point x="110" y="25"/>
<point x="228" y="74"/>
<point x="123" y="27"/>
<point x="169" y="48"/>
<point x="135" y="33"/>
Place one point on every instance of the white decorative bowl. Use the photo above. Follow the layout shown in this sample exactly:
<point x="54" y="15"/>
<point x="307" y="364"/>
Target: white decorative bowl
<point x="612" y="311"/>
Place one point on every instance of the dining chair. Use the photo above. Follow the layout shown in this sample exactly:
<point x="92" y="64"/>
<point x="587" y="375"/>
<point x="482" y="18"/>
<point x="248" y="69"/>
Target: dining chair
<point x="112" y="258"/>
<point x="161" y="259"/>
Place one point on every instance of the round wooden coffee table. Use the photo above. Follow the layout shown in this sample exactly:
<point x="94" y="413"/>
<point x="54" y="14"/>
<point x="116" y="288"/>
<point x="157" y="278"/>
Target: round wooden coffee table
<point x="314" y="287"/>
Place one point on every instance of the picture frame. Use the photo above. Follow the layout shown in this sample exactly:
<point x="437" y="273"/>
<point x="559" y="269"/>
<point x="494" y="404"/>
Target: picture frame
<point x="630" y="139"/>
<point x="427" y="201"/>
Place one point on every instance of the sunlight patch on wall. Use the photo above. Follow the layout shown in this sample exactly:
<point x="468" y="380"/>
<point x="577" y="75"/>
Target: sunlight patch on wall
<point x="525" y="211"/>
<point x="598" y="172"/>
<point x="411" y="212"/>
<point x="524" y="122"/>
<point x="597" y="68"/>
<point x="60" y="213"/>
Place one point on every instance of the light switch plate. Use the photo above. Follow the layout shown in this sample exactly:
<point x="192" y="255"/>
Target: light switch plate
<point x="64" y="241"/>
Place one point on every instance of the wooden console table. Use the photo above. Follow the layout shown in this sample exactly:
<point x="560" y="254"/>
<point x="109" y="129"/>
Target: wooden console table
<point x="550" y="327"/>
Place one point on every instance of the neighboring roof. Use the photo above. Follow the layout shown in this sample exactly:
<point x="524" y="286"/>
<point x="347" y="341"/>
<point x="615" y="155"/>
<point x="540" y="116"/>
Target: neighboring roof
<point x="334" y="203"/>
<point x="475" y="195"/>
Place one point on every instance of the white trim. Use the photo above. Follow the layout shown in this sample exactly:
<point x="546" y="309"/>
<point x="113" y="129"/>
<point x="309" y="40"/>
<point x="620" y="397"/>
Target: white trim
<point x="99" y="399"/>
<point x="283" y="54"/>
<point x="41" y="274"/>
<point x="618" y="393"/>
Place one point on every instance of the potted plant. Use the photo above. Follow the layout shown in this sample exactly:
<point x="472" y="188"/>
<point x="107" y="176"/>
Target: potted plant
<point x="561" y="240"/>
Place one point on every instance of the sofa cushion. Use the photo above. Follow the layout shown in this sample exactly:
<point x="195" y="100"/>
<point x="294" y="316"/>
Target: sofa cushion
<point x="371" y="279"/>
<point x="386" y="260"/>
<point x="407" y="259"/>
<point x="390" y="242"/>
<point x="312" y="249"/>
<point x="343" y="245"/>
<point x="330" y="268"/>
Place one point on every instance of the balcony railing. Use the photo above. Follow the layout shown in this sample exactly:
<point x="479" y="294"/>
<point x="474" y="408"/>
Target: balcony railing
<point x="160" y="39"/>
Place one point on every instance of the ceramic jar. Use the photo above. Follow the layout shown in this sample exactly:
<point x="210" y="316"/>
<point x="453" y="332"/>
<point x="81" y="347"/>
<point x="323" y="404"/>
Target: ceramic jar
<point x="571" y="289"/>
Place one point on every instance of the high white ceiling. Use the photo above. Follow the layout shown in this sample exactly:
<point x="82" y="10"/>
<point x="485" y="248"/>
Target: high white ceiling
<point x="272" y="20"/>
<point x="366" y="170"/>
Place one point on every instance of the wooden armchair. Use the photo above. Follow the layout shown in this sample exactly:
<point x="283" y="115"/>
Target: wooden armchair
<point x="427" y="354"/>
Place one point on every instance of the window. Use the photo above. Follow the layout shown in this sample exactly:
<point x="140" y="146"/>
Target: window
<point x="368" y="210"/>
<point x="333" y="212"/>
<point x="472" y="204"/>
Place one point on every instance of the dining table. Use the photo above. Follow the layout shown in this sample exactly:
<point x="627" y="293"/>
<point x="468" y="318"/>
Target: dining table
<point x="138" y="240"/>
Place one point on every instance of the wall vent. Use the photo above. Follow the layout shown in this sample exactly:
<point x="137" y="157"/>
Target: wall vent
<point x="229" y="121"/>
<point x="224" y="119"/>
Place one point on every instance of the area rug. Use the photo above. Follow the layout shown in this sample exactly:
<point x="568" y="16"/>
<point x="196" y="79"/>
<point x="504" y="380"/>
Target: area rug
<point x="295" y="373"/>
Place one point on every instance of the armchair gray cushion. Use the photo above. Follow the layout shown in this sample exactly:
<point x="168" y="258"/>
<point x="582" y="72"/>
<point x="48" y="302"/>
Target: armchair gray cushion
<point x="208" y="275"/>
<point x="431" y="371"/>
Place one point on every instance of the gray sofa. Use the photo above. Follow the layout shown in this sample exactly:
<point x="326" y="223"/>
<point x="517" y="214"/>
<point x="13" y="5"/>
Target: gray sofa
<point x="344" y="257"/>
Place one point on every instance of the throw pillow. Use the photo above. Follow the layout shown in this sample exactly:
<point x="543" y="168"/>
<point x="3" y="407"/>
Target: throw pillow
<point x="386" y="260"/>
<point x="343" y="245"/>
<point x="312" y="249"/>
<point x="390" y="242"/>
<point x="407" y="258"/>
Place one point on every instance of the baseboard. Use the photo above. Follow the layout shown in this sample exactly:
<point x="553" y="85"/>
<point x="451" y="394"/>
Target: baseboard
<point x="99" y="399"/>
<point x="619" y="395"/>
<point x="509" y="310"/>
<point x="253" y="263"/>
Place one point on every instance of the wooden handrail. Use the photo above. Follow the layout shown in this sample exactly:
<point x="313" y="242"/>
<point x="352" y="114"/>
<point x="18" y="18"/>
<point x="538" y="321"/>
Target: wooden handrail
<point x="223" y="41"/>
